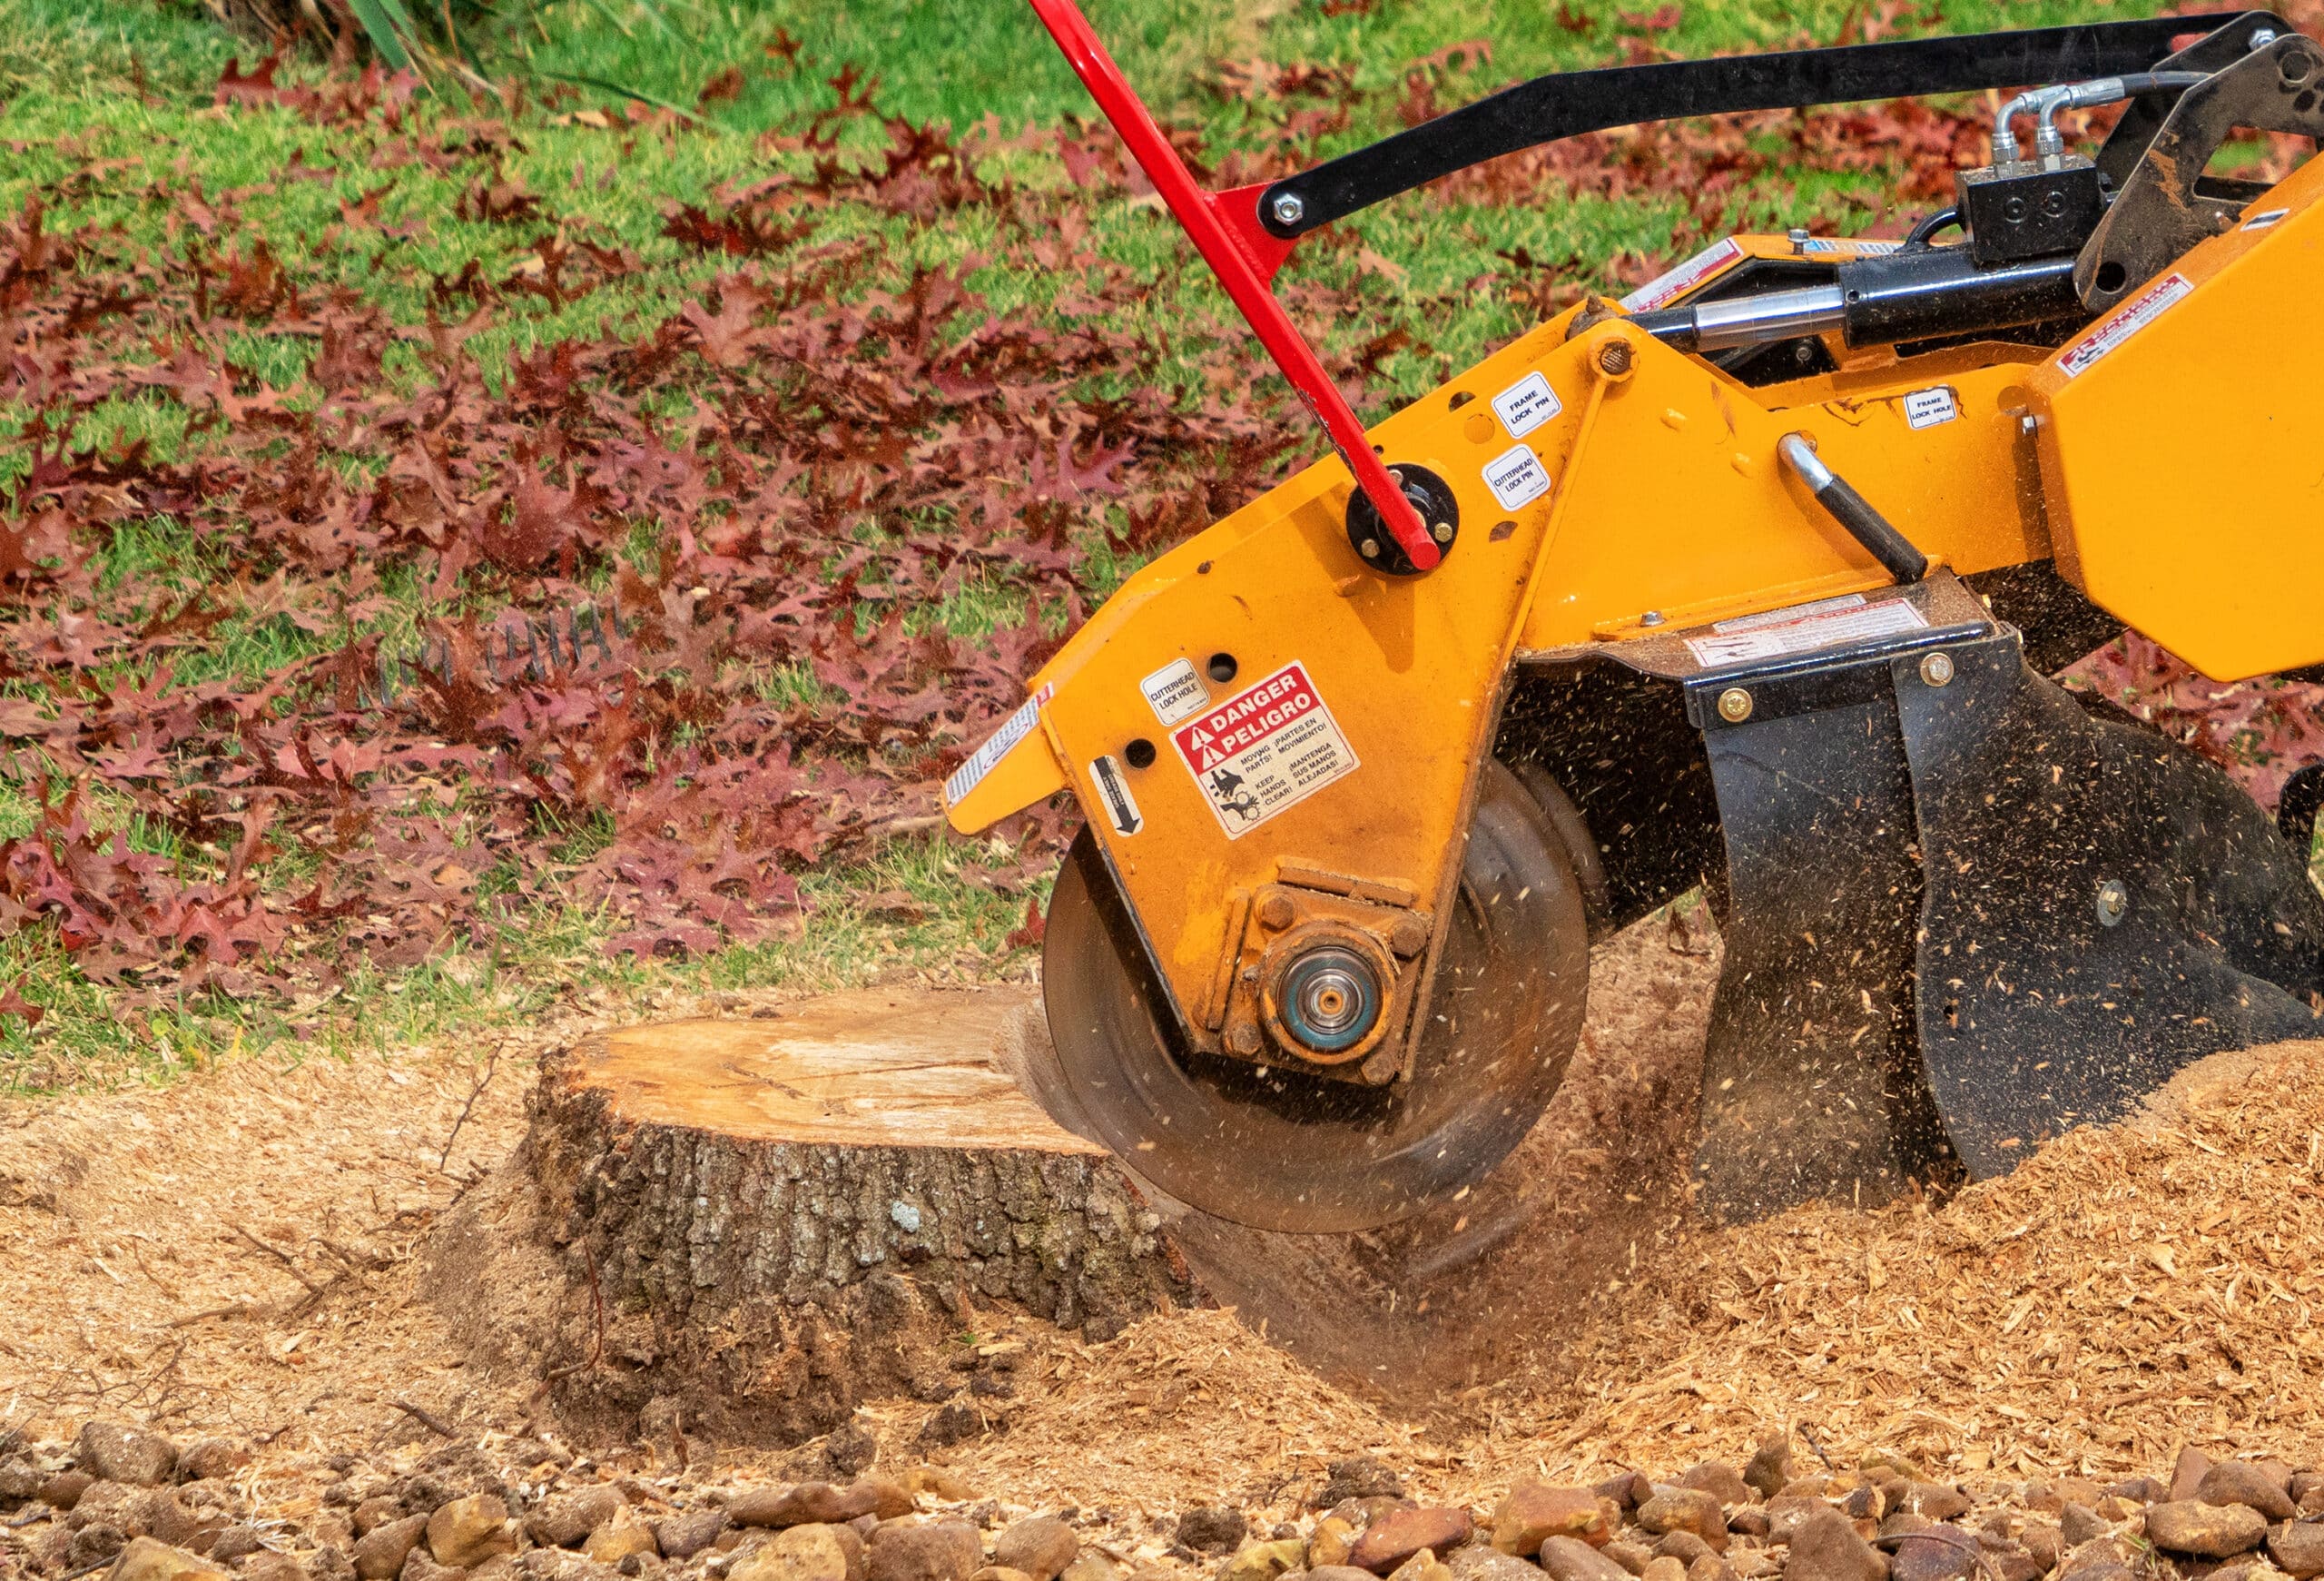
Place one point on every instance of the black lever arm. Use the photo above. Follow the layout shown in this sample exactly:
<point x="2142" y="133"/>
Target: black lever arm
<point x="1568" y="104"/>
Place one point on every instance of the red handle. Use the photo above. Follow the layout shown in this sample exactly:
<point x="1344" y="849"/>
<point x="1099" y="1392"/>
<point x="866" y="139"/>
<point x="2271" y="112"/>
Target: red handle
<point x="1240" y="251"/>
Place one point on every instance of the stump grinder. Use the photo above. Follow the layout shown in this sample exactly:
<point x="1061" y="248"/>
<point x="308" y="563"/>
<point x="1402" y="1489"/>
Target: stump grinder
<point x="1751" y="581"/>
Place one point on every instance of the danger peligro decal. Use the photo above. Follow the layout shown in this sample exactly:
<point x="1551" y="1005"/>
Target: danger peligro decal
<point x="1263" y="750"/>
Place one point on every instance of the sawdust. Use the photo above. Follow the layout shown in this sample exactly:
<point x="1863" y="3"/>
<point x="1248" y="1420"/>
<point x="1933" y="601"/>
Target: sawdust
<point x="2126" y="1291"/>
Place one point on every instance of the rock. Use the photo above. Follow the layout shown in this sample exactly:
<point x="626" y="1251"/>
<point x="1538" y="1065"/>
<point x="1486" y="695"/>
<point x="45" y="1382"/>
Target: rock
<point x="207" y="1457"/>
<point x="808" y="1503"/>
<point x="1719" y="1480"/>
<point x="1690" y="1509"/>
<point x="1750" y="1521"/>
<point x="1533" y="1512"/>
<point x="924" y="1550"/>
<point x="1044" y="1546"/>
<point x="883" y="1498"/>
<point x="2080" y="1525"/>
<point x="1825" y="1546"/>
<point x="1664" y="1568"/>
<point x="95" y="1542"/>
<point x="381" y="1551"/>
<point x="1357" y="1476"/>
<point x="1330" y="1543"/>
<point x="268" y="1565"/>
<point x="2046" y="1542"/>
<point x="1212" y="1528"/>
<point x="166" y="1517"/>
<point x="376" y="1512"/>
<point x="235" y="1542"/>
<point x="1785" y="1511"/>
<point x="2006" y="1560"/>
<point x="2308" y="1491"/>
<point x="64" y="1490"/>
<point x="1261" y="1561"/>
<point x="1000" y="1573"/>
<point x="119" y="1454"/>
<point x="2298" y="1550"/>
<point x="1627" y="1490"/>
<point x="1630" y="1557"/>
<point x="1348" y="1572"/>
<point x="2241" y="1482"/>
<point x="1934" y="1500"/>
<point x="1421" y="1566"/>
<point x="20" y="1479"/>
<point x="144" y="1559"/>
<point x="2140" y="1491"/>
<point x="1091" y="1567"/>
<point x="681" y="1536"/>
<point x="2209" y="1531"/>
<point x="1935" y="1553"/>
<point x="1572" y="1559"/>
<point x="1480" y="1562"/>
<point x="953" y="1424"/>
<point x="623" y="1533"/>
<point x="467" y="1531"/>
<point x="852" y="1448"/>
<point x="1396" y="1537"/>
<point x="566" y="1520"/>
<point x="1709" y="1568"/>
<point x="810" y="1552"/>
<point x="2079" y="1490"/>
<point x="1753" y="1564"/>
<point x="1771" y="1466"/>
<point x="2188" y="1471"/>
<point x="1684" y="1546"/>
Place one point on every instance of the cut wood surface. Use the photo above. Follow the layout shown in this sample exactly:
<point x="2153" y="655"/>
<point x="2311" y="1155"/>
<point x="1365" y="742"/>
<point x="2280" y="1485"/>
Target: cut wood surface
<point x="751" y="1226"/>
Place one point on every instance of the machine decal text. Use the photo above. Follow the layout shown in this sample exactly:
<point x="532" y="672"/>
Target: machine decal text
<point x="1173" y="691"/>
<point x="2136" y="314"/>
<point x="1013" y="729"/>
<point x="1263" y="750"/>
<point x="1526" y="405"/>
<point x="1516" y="477"/>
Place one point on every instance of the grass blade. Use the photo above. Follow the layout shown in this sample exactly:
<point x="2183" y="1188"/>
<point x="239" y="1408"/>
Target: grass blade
<point x="379" y="19"/>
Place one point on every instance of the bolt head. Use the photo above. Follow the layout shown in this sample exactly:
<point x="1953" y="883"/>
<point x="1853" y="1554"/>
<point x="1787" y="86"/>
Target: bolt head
<point x="1614" y="357"/>
<point x="2261" y="37"/>
<point x="1276" y="912"/>
<point x="1651" y="618"/>
<point x="1735" y="705"/>
<point x="1442" y="532"/>
<point x="2114" y="902"/>
<point x="1288" y="209"/>
<point x="1408" y="937"/>
<point x="1371" y="546"/>
<point x="1936" y="669"/>
<point x="1243" y="1038"/>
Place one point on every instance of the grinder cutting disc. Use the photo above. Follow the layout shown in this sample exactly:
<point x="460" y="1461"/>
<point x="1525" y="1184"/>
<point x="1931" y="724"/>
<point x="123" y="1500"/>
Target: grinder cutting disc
<point x="1277" y="1149"/>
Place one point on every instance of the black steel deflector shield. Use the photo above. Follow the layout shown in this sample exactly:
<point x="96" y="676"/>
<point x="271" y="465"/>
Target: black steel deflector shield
<point x="1967" y="916"/>
<point x="2040" y="823"/>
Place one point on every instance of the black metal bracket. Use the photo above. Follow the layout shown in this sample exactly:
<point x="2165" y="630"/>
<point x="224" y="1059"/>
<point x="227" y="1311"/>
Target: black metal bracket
<point x="1568" y="104"/>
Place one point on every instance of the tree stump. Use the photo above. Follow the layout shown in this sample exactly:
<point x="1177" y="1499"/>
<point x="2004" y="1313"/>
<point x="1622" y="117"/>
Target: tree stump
<point x="749" y="1226"/>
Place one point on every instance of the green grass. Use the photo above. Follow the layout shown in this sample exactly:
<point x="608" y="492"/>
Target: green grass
<point x="107" y="111"/>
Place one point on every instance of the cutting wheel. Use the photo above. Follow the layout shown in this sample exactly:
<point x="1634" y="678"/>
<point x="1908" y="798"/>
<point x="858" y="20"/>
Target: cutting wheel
<point x="1281" y="1150"/>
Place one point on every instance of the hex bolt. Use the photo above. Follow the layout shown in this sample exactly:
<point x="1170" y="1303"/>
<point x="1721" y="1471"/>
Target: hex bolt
<point x="1371" y="546"/>
<point x="1408" y="937"/>
<point x="1651" y="618"/>
<point x="1936" y="669"/>
<point x="2114" y="902"/>
<point x="1288" y="209"/>
<point x="1243" y="1038"/>
<point x="1442" y="532"/>
<point x="1735" y="705"/>
<point x="1275" y="911"/>
<point x="1614" y="358"/>
<point x="2261" y="37"/>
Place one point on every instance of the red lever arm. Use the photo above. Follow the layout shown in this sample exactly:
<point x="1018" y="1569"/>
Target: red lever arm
<point x="1226" y="231"/>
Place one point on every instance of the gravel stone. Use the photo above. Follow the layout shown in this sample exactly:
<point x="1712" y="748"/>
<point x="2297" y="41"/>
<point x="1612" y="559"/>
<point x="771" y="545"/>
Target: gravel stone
<point x="381" y="1551"/>
<point x="1825" y="1546"/>
<point x="2209" y="1531"/>
<point x="1719" y="1480"/>
<point x="1533" y="1512"/>
<point x="235" y="1542"/>
<point x="1769" y="1467"/>
<point x="851" y="1449"/>
<point x="120" y="1454"/>
<point x="566" y="1520"/>
<point x="1044" y="1546"/>
<point x="2241" y="1482"/>
<point x="1357" y="1476"/>
<point x="1664" y="1568"/>
<point x="624" y="1532"/>
<point x="1212" y="1528"/>
<point x="1690" y="1509"/>
<point x="1630" y="1557"/>
<point x="1479" y="1562"/>
<point x="1396" y="1537"/>
<point x="912" y="1550"/>
<point x="1572" y="1559"/>
<point x="1684" y="1546"/>
<point x="2298" y="1550"/>
<point x="681" y="1536"/>
<point x="143" y="1559"/>
<point x="2187" y="1472"/>
<point x="807" y="1552"/>
<point x="467" y="1531"/>
<point x="2080" y="1525"/>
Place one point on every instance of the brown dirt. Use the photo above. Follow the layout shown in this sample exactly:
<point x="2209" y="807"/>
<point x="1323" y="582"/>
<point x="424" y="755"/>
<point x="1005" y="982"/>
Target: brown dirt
<point x="2125" y="1291"/>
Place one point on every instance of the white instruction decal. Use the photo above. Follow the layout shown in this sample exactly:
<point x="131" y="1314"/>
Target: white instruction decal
<point x="1924" y="409"/>
<point x="1526" y="405"/>
<point x="2263" y="221"/>
<point x="2135" y="315"/>
<point x="1263" y="750"/>
<point x="1173" y="691"/>
<point x="1666" y="289"/>
<point x="1516" y="477"/>
<point x="1794" y="631"/>
<point x="1121" y="807"/>
<point x="1013" y="729"/>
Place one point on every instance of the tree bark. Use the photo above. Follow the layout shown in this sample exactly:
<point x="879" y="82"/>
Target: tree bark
<point x="749" y="1226"/>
